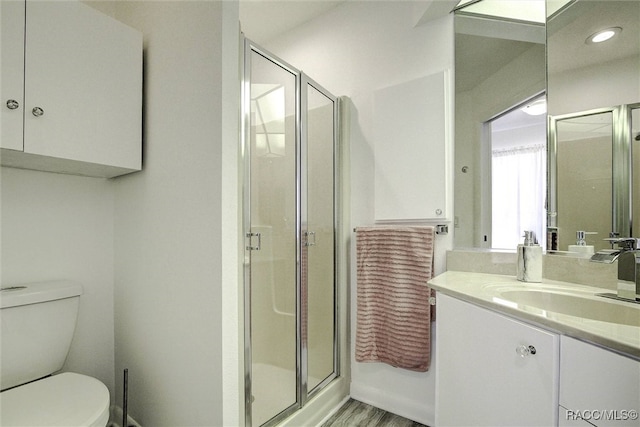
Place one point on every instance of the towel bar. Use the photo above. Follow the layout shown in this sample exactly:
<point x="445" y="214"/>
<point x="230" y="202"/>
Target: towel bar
<point x="439" y="229"/>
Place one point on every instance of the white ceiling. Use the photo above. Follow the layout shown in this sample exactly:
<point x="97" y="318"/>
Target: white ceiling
<point x="262" y="20"/>
<point x="569" y="30"/>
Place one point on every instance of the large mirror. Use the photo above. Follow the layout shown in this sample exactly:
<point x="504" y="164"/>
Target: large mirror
<point x="593" y="83"/>
<point x="500" y="129"/>
<point x="592" y="91"/>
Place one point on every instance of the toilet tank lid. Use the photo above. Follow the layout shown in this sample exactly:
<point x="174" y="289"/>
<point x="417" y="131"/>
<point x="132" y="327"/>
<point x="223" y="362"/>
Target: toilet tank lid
<point x="32" y="293"/>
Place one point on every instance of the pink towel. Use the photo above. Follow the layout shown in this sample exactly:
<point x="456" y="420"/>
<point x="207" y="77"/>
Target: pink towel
<point x="394" y="314"/>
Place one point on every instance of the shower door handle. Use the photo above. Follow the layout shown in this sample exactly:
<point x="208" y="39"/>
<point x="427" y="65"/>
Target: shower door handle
<point x="308" y="238"/>
<point x="250" y="236"/>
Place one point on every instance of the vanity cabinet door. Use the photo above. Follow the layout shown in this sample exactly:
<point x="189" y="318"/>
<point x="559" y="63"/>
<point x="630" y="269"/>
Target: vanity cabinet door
<point x="598" y="386"/>
<point x="492" y="370"/>
<point x="567" y="418"/>
<point x="82" y="109"/>
<point x="12" y="81"/>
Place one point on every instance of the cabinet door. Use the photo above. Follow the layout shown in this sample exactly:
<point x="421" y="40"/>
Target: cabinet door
<point x="482" y="380"/>
<point x="411" y="135"/>
<point x="83" y="71"/>
<point x="12" y="81"/>
<point x="568" y="418"/>
<point x="599" y="386"/>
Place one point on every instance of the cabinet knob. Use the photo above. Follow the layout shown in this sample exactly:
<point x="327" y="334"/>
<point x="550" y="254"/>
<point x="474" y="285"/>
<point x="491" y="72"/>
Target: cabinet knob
<point x="525" y="350"/>
<point x="37" y="111"/>
<point x="438" y="211"/>
<point x="12" y="104"/>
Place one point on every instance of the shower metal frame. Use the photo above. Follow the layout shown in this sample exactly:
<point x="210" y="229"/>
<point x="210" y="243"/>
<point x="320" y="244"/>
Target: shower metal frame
<point x="302" y="82"/>
<point x="621" y="174"/>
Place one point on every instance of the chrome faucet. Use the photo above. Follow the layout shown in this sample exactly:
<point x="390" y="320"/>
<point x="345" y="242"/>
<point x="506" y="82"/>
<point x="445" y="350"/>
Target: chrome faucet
<point x="609" y="256"/>
<point x="629" y="269"/>
<point x="628" y="257"/>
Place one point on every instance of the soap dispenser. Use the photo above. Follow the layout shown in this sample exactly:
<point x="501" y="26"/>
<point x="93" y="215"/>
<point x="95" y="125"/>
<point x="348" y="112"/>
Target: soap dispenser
<point x="581" y="245"/>
<point x="529" y="259"/>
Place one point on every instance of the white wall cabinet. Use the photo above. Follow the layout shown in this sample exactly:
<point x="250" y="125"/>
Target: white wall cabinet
<point x="597" y="386"/>
<point x="74" y="103"/>
<point x="487" y="375"/>
<point x="412" y="149"/>
<point x="12" y="81"/>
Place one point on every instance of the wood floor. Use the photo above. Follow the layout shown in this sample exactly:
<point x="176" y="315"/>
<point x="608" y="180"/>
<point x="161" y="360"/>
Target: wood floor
<point x="358" y="414"/>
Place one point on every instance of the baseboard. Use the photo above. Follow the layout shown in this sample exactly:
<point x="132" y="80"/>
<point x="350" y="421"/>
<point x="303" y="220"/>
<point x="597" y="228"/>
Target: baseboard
<point x="332" y="412"/>
<point x="328" y="401"/>
<point x="423" y="413"/>
<point x="115" y="418"/>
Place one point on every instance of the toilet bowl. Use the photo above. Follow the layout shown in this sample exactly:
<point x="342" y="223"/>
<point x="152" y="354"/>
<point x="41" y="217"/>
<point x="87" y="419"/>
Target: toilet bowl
<point x="37" y="326"/>
<point x="66" y="399"/>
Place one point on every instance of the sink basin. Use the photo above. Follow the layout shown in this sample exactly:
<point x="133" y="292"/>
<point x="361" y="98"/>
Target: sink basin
<point x="574" y="305"/>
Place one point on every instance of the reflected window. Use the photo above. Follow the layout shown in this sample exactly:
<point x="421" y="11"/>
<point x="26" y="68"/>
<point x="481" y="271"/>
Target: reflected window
<point x="268" y="109"/>
<point x="518" y="171"/>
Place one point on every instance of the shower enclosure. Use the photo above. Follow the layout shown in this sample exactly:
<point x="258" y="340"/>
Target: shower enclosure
<point x="290" y="218"/>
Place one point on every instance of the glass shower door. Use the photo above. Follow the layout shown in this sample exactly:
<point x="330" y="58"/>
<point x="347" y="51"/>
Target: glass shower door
<point x="290" y="140"/>
<point x="318" y="213"/>
<point x="272" y="238"/>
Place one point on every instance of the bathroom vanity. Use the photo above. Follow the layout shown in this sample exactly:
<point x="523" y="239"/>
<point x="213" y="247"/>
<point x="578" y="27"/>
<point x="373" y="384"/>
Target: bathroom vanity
<point x="515" y="353"/>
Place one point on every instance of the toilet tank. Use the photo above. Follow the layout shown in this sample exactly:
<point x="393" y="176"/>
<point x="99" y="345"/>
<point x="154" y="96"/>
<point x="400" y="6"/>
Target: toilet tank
<point x="37" y="323"/>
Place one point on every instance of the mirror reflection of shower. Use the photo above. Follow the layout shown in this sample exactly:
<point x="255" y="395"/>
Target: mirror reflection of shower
<point x="584" y="178"/>
<point x="635" y="168"/>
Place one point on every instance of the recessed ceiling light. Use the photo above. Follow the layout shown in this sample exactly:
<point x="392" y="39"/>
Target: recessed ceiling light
<point x="603" y="35"/>
<point x="536" y="108"/>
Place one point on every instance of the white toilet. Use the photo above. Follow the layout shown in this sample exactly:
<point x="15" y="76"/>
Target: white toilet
<point x="38" y="321"/>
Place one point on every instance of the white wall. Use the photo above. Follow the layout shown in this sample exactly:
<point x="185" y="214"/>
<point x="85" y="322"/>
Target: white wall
<point x="160" y="235"/>
<point x="353" y="50"/>
<point x="168" y="243"/>
<point x="609" y="84"/>
<point x="61" y="227"/>
<point x="232" y="256"/>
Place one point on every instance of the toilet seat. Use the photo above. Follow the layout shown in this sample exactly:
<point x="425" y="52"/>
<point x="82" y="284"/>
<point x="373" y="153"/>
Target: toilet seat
<point x="66" y="399"/>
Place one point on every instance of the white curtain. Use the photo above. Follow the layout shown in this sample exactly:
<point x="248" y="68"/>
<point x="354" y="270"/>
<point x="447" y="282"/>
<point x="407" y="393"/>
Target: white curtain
<point x="518" y="195"/>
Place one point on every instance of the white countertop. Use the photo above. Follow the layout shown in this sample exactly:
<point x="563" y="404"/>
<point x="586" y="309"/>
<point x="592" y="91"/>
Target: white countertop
<point x="562" y="314"/>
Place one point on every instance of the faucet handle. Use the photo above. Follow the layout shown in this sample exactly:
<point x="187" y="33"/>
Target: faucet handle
<point x="625" y="243"/>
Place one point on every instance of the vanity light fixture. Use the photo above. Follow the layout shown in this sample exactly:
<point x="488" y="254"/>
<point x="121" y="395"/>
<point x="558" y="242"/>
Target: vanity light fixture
<point x="536" y="108"/>
<point x="603" y="35"/>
